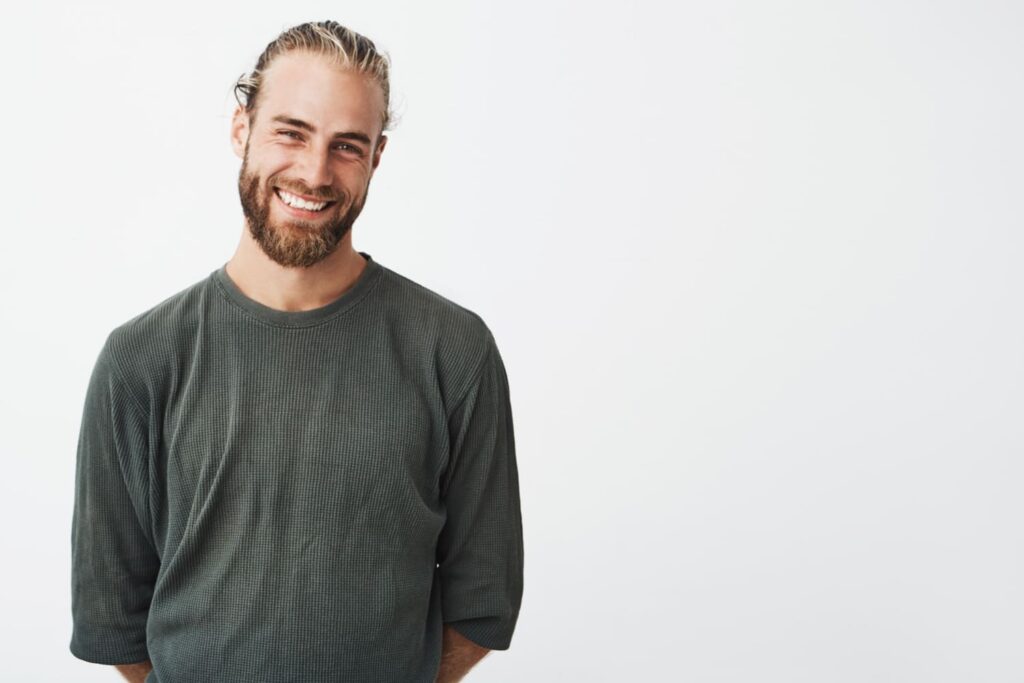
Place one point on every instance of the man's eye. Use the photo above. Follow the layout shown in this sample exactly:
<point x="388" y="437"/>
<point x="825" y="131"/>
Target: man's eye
<point x="290" y="132"/>
<point x="345" y="147"/>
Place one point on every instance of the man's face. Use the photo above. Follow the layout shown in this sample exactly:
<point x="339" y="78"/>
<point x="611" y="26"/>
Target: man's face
<point x="283" y="160"/>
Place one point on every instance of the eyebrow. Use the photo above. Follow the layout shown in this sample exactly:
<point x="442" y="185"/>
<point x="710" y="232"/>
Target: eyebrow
<point x="299" y="123"/>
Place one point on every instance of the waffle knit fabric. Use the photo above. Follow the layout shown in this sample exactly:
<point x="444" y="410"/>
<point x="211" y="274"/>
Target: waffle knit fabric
<point x="270" y="496"/>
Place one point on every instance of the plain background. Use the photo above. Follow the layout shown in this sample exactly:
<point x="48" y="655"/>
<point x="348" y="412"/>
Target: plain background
<point x="754" y="269"/>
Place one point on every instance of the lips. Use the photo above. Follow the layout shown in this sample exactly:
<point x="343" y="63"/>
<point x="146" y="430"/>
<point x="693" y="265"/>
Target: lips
<point x="301" y="211"/>
<point x="307" y="197"/>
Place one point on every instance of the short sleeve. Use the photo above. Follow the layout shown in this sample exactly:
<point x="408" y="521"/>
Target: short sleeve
<point x="480" y="549"/>
<point x="113" y="561"/>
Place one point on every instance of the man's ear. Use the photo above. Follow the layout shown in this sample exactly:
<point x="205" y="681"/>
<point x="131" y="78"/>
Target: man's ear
<point x="239" y="131"/>
<point x="377" y="152"/>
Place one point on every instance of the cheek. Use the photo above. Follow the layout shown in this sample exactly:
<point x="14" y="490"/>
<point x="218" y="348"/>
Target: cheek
<point x="271" y="164"/>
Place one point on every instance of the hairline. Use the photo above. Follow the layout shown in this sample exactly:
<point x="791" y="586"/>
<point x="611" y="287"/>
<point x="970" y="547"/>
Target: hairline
<point x="335" y="61"/>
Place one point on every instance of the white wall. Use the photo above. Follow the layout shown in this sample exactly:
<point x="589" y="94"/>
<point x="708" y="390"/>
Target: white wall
<point x="754" y="268"/>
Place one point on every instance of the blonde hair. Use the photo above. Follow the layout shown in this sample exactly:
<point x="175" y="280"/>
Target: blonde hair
<point x="348" y="49"/>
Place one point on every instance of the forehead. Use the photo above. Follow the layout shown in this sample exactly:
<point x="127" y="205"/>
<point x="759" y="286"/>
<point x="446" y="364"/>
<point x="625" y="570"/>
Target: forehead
<point x="312" y="88"/>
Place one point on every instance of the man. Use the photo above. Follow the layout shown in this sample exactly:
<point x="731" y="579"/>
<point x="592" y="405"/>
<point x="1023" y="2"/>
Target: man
<point x="302" y="467"/>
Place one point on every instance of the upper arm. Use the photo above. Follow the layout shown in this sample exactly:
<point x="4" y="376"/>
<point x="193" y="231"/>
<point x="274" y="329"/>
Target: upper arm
<point x="480" y="549"/>
<point x="113" y="560"/>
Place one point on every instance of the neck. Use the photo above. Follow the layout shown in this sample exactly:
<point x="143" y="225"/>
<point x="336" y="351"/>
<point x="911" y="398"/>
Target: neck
<point x="294" y="289"/>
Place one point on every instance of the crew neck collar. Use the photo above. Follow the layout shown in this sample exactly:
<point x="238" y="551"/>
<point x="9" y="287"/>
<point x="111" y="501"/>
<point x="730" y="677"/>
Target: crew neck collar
<point x="313" y="316"/>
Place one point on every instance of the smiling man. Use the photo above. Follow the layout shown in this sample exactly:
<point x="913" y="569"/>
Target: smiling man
<point x="301" y="467"/>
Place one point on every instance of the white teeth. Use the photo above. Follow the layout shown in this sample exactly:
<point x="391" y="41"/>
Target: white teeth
<point x="299" y="203"/>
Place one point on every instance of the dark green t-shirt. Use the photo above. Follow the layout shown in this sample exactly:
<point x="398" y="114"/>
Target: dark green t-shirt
<point x="265" y="496"/>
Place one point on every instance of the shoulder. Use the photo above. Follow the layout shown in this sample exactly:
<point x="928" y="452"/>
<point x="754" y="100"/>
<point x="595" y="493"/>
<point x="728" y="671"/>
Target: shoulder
<point x="441" y="318"/>
<point x="139" y="348"/>
<point x="456" y="339"/>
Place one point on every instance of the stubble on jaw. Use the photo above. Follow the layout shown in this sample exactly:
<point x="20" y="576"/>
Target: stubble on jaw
<point x="294" y="243"/>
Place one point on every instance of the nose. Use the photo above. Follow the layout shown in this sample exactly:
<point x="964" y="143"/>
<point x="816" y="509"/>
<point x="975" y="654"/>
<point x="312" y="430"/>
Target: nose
<point x="315" y="168"/>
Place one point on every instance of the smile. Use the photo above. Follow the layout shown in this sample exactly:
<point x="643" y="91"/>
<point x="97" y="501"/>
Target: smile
<point x="300" y="205"/>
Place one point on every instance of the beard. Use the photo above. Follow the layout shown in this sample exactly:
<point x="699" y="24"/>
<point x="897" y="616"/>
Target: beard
<point x="299" y="243"/>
